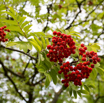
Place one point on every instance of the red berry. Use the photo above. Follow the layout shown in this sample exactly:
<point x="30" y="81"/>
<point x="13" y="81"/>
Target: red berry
<point x="85" y="48"/>
<point x="48" y="46"/>
<point x="82" y="45"/>
<point x="87" y="53"/>
<point x="92" y="65"/>
<point x="5" y="26"/>
<point x="54" y="33"/>
<point x="59" y="33"/>
<point x="83" y="59"/>
<point x="59" y="71"/>
<point x="66" y="84"/>
<point x="48" y="55"/>
<point x="98" y="59"/>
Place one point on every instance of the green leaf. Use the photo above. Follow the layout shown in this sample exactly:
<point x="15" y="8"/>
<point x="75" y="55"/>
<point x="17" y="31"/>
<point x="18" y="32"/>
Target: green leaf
<point x="86" y="88"/>
<point x="75" y="93"/>
<point x="93" y="74"/>
<point x="15" y="29"/>
<point x="95" y="27"/>
<point x="10" y="22"/>
<point x="70" y="91"/>
<point x="47" y="41"/>
<point x="100" y="70"/>
<point x="27" y="28"/>
<point x="97" y="65"/>
<point x="56" y="69"/>
<point x="11" y="44"/>
<point x="11" y="14"/>
<point x="24" y="24"/>
<point x="79" y="93"/>
<point x="12" y="10"/>
<point x="53" y="75"/>
<point x="83" y="91"/>
<point x="38" y="41"/>
<point x="48" y="80"/>
<point x="47" y="63"/>
<point x="21" y="20"/>
<point x="41" y="68"/>
<point x="21" y="45"/>
<point x="43" y="42"/>
<point x="34" y="43"/>
<point x="39" y="33"/>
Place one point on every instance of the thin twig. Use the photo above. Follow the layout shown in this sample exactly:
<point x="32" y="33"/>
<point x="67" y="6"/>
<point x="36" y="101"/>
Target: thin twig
<point x="6" y="74"/>
<point x="79" y="6"/>
<point x="39" y="81"/>
<point x="18" y="51"/>
<point x="26" y="67"/>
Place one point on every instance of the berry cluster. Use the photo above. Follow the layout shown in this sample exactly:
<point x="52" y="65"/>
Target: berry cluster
<point x="62" y="47"/>
<point x="3" y="34"/>
<point x="88" y="56"/>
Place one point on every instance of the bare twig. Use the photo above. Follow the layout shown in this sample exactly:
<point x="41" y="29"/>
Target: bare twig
<point x="15" y="87"/>
<point x="18" y="51"/>
<point x="39" y="81"/>
<point x="99" y="35"/>
<point x="79" y="6"/>
<point x="8" y="70"/>
<point x="98" y="98"/>
<point x="49" y="7"/>
<point x="26" y="67"/>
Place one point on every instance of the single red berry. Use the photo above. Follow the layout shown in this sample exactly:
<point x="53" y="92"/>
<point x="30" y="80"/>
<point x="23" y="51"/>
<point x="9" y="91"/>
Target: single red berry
<point x="83" y="59"/>
<point x="80" y="53"/>
<point x="48" y="46"/>
<point x="63" y="81"/>
<point x="85" y="48"/>
<point x="92" y="65"/>
<point x="5" y="26"/>
<point x="54" y="33"/>
<point x="66" y="84"/>
<point x="98" y="59"/>
<point x="59" y="71"/>
<point x="82" y="45"/>
<point x="89" y="69"/>
<point x="59" y="33"/>
<point x="59" y="39"/>
<point x="84" y="55"/>
<point x="60" y="6"/>
<point x="95" y="61"/>
<point x="50" y="51"/>
<point x="87" y="53"/>
<point x="48" y="55"/>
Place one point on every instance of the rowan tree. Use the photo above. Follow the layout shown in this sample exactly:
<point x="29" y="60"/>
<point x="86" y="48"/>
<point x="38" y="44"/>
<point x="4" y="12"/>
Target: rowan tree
<point x="51" y="51"/>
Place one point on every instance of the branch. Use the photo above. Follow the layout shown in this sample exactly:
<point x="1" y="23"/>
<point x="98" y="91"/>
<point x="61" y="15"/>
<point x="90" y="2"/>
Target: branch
<point x="87" y="15"/>
<point x="26" y="67"/>
<point x="99" y="35"/>
<point x="33" y="76"/>
<point x="98" y="98"/>
<point x="79" y="6"/>
<point x="56" y="96"/>
<point x="8" y="70"/>
<point x="39" y="81"/>
<point x="18" y="51"/>
<point x="49" y="7"/>
<point x="24" y="4"/>
<point x="6" y="74"/>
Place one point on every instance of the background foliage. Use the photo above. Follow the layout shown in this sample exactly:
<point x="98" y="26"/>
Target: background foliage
<point x="26" y="74"/>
